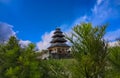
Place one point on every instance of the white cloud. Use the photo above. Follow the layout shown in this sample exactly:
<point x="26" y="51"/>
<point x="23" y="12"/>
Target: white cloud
<point x="112" y="44"/>
<point x="24" y="43"/>
<point x="98" y="6"/>
<point x="45" y="42"/>
<point x="100" y="13"/>
<point x="112" y="35"/>
<point x="6" y="31"/>
<point x="99" y="2"/>
<point x="81" y="19"/>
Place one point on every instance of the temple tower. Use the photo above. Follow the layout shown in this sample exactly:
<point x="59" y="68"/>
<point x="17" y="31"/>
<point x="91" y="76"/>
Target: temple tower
<point x="58" y="47"/>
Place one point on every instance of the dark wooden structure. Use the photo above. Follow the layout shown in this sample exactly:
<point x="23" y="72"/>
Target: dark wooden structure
<point x="58" y="47"/>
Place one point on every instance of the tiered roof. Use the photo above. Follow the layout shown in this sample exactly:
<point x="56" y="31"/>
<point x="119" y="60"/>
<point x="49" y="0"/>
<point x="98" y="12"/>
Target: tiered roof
<point x="58" y="39"/>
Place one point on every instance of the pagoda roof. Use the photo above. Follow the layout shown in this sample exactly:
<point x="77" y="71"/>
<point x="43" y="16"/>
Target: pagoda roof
<point x="58" y="28"/>
<point x="58" y="35"/>
<point x="58" y="45"/>
<point x="58" y="31"/>
<point x="58" y="39"/>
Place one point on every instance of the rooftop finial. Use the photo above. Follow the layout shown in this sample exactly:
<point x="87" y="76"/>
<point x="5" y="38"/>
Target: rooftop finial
<point x="57" y="28"/>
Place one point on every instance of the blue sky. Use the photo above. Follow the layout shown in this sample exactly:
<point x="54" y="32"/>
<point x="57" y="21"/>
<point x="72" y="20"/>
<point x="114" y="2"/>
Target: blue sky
<point x="35" y="20"/>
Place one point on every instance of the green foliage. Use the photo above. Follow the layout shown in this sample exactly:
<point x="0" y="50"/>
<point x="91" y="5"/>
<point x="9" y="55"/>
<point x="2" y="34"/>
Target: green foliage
<point x="17" y="62"/>
<point x="114" y="61"/>
<point x="54" y="69"/>
<point x="91" y="57"/>
<point x="89" y="49"/>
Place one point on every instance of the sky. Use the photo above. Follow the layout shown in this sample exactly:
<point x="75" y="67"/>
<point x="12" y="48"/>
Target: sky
<point x="35" y="20"/>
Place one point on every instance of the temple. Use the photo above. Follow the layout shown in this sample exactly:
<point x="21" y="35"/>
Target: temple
<point x="58" y="48"/>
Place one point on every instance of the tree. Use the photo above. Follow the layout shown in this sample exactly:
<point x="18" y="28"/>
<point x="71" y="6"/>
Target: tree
<point x="18" y="62"/>
<point x="8" y="54"/>
<point x="53" y="68"/>
<point x="89" y="50"/>
<point x="114" y="60"/>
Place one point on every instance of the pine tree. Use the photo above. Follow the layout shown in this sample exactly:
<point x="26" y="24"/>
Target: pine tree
<point x="89" y="50"/>
<point x="114" y="61"/>
<point x="18" y="62"/>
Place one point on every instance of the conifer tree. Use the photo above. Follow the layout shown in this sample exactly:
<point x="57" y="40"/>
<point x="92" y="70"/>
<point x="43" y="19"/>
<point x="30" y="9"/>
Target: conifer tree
<point x="17" y="62"/>
<point x="89" y="50"/>
<point x="114" y="61"/>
